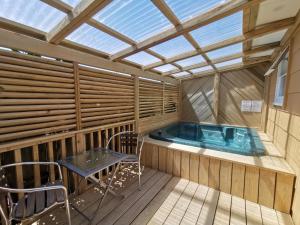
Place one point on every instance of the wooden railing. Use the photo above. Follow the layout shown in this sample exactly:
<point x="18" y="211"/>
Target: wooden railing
<point x="54" y="148"/>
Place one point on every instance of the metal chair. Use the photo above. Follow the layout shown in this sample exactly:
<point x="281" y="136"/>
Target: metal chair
<point x="130" y="141"/>
<point x="35" y="201"/>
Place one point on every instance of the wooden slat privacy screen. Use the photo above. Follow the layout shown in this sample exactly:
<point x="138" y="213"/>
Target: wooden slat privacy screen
<point x="171" y="98"/>
<point x="37" y="96"/>
<point x="105" y="98"/>
<point x="41" y="96"/>
<point x="156" y="98"/>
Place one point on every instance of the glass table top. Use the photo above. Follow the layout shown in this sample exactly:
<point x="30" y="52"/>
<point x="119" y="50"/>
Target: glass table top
<point x="92" y="161"/>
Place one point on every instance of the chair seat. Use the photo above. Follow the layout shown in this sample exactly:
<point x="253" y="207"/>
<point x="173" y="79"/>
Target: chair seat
<point x="36" y="202"/>
<point x="131" y="158"/>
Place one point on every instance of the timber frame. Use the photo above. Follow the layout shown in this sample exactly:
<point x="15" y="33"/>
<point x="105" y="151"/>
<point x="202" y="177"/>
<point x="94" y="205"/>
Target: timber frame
<point x="84" y="11"/>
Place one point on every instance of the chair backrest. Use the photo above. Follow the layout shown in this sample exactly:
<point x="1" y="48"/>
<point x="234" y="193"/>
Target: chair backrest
<point x="130" y="142"/>
<point x="31" y="201"/>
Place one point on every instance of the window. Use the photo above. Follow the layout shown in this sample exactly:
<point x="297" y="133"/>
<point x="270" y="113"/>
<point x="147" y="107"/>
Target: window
<point x="281" y="79"/>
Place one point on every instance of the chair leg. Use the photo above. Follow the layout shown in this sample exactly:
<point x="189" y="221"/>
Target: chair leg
<point x="67" y="205"/>
<point x="140" y="176"/>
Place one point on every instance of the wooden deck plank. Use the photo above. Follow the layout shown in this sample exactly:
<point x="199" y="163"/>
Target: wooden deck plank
<point x="138" y="207"/>
<point x="222" y="216"/>
<point x="253" y="213"/>
<point x="144" y="217"/>
<point x="209" y="208"/>
<point x="182" y="204"/>
<point x="166" y="200"/>
<point x="111" y="203"/>
<point x="86" y="201"/>
<point x="194" y="209"/>
<point x="119" y="210"/>
<point x="162" y="213"/>
<point x="238" y="212"/>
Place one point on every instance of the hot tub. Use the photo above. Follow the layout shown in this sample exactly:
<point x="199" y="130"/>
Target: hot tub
<point x="238" y="140"/>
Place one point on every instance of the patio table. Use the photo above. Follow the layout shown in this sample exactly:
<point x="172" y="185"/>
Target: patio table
<point x="91" y="162"/>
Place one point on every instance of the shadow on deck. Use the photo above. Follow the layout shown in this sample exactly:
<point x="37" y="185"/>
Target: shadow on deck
<point x="164" y="199"/>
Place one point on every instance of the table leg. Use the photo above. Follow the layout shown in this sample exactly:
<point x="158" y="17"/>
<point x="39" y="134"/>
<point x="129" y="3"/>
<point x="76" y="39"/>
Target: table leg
<point x="107" y="189"/>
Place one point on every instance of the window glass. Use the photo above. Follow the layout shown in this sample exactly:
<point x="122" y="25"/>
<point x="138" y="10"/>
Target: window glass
<point x="281" y="79"/>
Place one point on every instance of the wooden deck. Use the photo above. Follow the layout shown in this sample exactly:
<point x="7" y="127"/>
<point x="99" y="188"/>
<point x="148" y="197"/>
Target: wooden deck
<point x="164" y="199"/>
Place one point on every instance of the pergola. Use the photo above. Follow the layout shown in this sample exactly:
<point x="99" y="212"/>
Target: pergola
<point x="171" y="43"/>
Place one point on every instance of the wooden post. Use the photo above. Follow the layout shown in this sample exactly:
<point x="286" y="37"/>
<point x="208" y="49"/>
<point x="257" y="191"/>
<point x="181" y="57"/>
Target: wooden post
<point x="179" y="109"/>
<point x="216" y="97"/>
<point x="163" y="98"/>
<point x="63" y="156"/>
<point x="37" y="172"/>
<point x="51" y="159"/>
<point x="19" y="171"/>
<point x="81" y="147"/>
<point x="136" y="103"/>
<point x="264" y="118"/>
<point x="77" y="95"/>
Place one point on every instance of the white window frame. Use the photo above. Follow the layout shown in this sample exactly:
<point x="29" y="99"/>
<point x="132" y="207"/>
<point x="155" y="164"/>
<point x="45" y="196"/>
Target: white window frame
<point x="278" y="99"/>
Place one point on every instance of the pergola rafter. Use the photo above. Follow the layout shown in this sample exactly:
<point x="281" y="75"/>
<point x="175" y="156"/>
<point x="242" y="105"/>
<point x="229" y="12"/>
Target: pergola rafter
<point x="79" y="15"/>
<point x="244" y="65"/>
<point x="165" y="9"/>
<point x="259" y="32"/>
<point x="60" y="5"/>
<point x="215" y="14"/>
<point x="229" y="57"/>
<point x="83" y="12"/>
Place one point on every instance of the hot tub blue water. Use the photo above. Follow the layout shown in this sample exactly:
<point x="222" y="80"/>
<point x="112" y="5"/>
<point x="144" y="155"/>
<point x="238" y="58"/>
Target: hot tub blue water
<point x="239" y="140"/>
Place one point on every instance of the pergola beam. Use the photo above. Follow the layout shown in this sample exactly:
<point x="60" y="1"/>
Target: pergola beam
<point x="165" y="9"/>
<point x="14" y="40"/>
<point x="261" y="48"/>
<point x="215" y="14"/>
<point x="244" y="65"/>
<point x="79" y="15"/>
<point x="259" y="32"/>
<point x="60" y="5"/>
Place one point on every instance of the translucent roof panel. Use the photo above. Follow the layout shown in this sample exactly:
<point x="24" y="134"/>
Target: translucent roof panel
<point x="173" y="47"/>
<point x="165" y="68"/>
<point x="269" y="38"/>
<point x="228" y="27"/>
<point x="181" y="74"/>
<point x="222" y="52"/>
<point x="201" y="69"/>
<point x="264" y="53"/>
<point x="33" y="13"/>
<point x="191" y="61"/>
<point x="72" y="3"/>
<point x="94" y="38"/>
<point x="187" y="9"/>
<point x="137" y="19"/>
<point x="143" y="58"/>
<point x="229" y="63"/>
